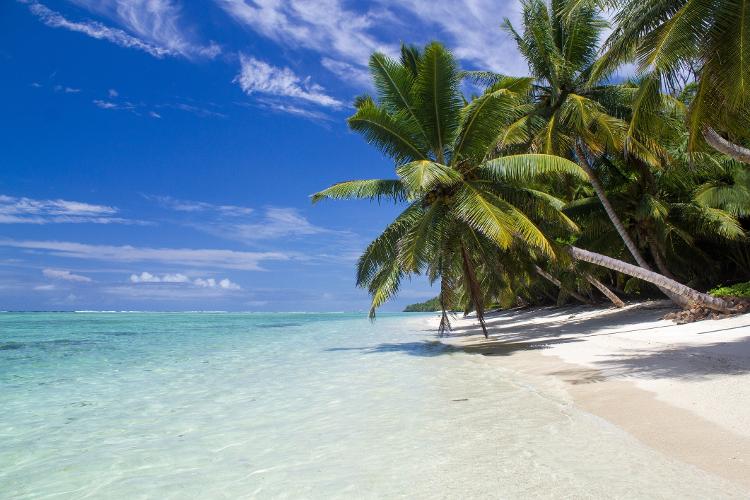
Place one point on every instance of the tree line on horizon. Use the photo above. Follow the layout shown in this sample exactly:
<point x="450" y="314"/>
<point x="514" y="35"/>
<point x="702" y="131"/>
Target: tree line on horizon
<point x="543" y="188"/>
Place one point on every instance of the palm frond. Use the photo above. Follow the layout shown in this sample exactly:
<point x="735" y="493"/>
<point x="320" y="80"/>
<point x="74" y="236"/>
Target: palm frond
<point x="397" y="135"/>
<point x="423" y="175"/>
<point x="371" y="189"/>
<point x="524" y="167"/>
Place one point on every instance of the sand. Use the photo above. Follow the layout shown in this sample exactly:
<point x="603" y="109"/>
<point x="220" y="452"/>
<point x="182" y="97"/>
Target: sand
<point x="683" y="390"/>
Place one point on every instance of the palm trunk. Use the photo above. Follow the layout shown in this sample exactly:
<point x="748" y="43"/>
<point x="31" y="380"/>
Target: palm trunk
<point x="654" y="248"/>
<point x="445" y="322"/>
<point x="605" y="291"/>
<point x="662" y="282"/>
<point x="619" y="226"/>
<point x="544" y="274"/>
<point x="734" y="151"/>
<point x="474" y="289"/>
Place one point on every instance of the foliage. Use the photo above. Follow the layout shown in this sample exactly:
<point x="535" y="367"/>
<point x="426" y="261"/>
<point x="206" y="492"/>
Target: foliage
<point x="431" y="305"/>
<point x="464" y="206"/>
<point x="493" y="187"/>
<point x="738" y="290"/>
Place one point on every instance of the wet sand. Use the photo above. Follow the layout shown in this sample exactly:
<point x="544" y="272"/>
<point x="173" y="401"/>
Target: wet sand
<point x="683" y="390"/>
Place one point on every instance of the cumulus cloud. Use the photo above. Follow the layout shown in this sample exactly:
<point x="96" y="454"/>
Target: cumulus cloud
<point x="146" y="277"/>
<point x="189" y="257"/>
<point x="212" y="283"/>
<point x="21" y="210"/>
<point x="61" y="274"/>
<point x="259" y="77"/>
<point x="152" y="26"/>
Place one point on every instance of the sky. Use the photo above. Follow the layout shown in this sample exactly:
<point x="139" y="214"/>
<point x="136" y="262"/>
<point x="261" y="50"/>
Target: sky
<point x="160" y="154"/>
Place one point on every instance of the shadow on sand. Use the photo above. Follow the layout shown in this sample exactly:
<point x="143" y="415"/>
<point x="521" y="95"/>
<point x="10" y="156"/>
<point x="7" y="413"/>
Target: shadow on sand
<point x="514" y="331"/>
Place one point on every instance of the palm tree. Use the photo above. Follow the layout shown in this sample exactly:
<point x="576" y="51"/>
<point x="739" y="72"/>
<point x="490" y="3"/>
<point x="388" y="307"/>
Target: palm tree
<point x="462" y="206"/>
<point x="568" y="113"/>
<point x="677" y="40"/>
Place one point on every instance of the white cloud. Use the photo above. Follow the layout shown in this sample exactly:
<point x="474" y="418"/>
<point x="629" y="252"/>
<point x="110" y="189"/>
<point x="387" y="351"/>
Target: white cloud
<point x="196" y="110"/>
<point x="146" y="277"/>
<point x="356" y="76"/>
<point x="96" y="30"/>
<point x="190" y="257"/>
<point x="140" y="108"/>
<point x="276" y="223"/>
<point x="66" y="90"/>
<point x="325" y="26"/>
<point x="199" y="206"/>
<point x="112" y="93"/>
<point x="224" y="284"/>
<point x="105" y="104"/>
<point x="61" y="274"/>
<point x="473" y="28"/>
<point x="345" y="37"/>
<point x="153" y="26"/>
<point x="280" y="107"/>
<point x="228" y="285"/>
<point x="15" y="210"/>
<point x="259" y="77"/>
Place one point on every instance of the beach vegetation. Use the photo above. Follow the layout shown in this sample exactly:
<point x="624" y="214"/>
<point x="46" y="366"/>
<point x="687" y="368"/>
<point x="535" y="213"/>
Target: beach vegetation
<point x="568" y="184"/>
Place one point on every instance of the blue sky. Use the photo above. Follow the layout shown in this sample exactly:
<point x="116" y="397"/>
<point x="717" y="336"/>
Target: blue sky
<point x="159" y="154"/>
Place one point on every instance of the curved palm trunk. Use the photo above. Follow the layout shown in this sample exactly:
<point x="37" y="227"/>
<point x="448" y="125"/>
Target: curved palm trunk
<point x="475" y="291"/>
<point x="663" y="282"/>
<point x="544" y="274"/>
<point x="734" y="151"/>
<point x="605" y="291"/>
<point x="654" y="248"/>
<point x="619" y="226"/>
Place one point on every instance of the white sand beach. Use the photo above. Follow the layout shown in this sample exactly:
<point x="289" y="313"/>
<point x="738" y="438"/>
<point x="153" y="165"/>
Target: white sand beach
<point x="683" y="390"/>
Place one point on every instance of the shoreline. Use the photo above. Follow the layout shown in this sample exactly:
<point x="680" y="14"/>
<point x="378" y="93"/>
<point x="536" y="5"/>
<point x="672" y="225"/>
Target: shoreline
<point x="682" y="390"/>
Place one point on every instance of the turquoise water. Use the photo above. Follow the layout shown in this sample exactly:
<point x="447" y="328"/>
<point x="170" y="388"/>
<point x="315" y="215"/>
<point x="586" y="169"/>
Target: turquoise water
<point x="223" y="405"/>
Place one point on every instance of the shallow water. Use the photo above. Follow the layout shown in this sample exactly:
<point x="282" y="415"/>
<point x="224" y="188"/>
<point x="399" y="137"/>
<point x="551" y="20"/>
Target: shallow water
<point x="223" y="405"/>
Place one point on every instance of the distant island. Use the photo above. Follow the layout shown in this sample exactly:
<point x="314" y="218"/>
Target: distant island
<point x="426" y="306"/>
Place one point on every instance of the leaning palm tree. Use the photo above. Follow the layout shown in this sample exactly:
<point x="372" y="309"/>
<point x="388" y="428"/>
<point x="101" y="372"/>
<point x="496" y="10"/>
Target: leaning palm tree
<point x="569" y="111"/>
<point x="462" y="206"/>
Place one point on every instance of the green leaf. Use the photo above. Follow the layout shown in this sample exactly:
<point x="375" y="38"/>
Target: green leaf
<point x="372" y="189"/>
<point x="527" y="167"/>
<point x="397" y="135"/>
<point x="424" y="175"/>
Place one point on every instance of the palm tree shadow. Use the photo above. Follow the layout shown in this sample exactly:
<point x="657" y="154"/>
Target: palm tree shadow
<point x="437" y="348"/>
<point x="684" y="362"/>
<point x="515" y="331"/>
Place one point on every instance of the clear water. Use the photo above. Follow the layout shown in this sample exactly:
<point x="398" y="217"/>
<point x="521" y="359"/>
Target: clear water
<point x="181" y="405"/>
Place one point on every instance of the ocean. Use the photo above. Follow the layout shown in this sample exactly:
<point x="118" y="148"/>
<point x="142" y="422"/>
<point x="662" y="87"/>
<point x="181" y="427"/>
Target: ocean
<point x="259" y="405"/>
